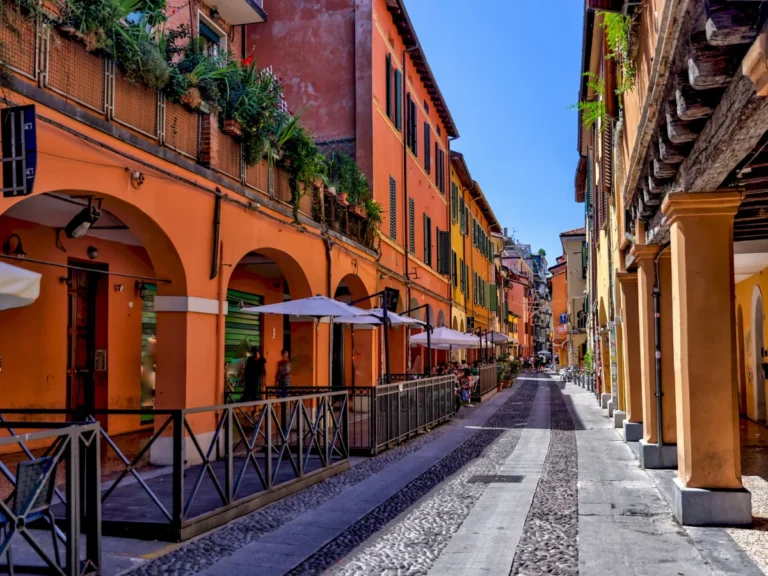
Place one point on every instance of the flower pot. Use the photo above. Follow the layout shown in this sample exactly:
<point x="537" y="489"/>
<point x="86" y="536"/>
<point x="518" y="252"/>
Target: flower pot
<point x="342" y="198"/>
<point x="329" y="191"/>
<point x="232" y="127"/>
<point x="359" y="209"/>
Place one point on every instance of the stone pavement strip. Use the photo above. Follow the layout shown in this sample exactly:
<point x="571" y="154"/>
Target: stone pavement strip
<point x="486" y="541"/>
<point x="283" y="549"/>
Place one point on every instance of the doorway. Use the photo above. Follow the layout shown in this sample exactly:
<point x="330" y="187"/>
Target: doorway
<point x="758" y="353"/>
<point x="87" y="382"/>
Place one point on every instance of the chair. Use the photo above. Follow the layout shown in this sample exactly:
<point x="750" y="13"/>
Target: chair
<point x="29" y="476"/>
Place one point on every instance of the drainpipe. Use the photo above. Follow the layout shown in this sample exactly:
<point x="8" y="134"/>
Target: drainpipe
<point x="220" y="326"/>
<point x="329" y="287"/>
<point x="406" y="221"/>
<point x="657" y="342"/>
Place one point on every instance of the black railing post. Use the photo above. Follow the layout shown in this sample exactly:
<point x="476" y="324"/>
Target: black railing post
<point x="229" y="448"/>
<point x="178" y="470"/>
<point x="73" y="504"/>
<point x="345" y="422"/>
<point x="92" y="482"/>
<point x="300" y="436"/>
<point x="373" y="421"/>
<point x="386" y="334"/>
<point x="268" y="446"/>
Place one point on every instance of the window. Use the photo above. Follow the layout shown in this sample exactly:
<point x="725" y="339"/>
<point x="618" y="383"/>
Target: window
<point x="398" y="99"/>
<point x="463" y="216"/>
<point x="444" y="252"/>
<point x="437" y="165"/>
<point x="426" y="107"/>
<point x="439" y="132"/>
<point x="463" y="276"/>
<point x="213" y="39"/>
<point x="441" y="165"/>
<point x="412" y="225"/>
<point x="454" y="201"/>
<point x="454" y="271"/>
<point x="392" y="208"/>
<point x="389" y="86"/>
<point x="411" y="136"/>
<point x="427" y="240"/>
<point x="427" y="158"/>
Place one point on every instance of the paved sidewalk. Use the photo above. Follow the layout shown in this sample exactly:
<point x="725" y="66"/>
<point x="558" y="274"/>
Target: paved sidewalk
<point x="285" y="548"/>
<point x="626" y="525"/>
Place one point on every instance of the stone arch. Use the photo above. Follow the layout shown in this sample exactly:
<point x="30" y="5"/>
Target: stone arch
<point x="351" y="288"/>
<point x="461" y="325"/>
<point x="440" y="319"/>
<point x="758" y="379"/>
<point x="741" y="382"/>
<point x="455" y="323"/>
<point x="418" y="314"/>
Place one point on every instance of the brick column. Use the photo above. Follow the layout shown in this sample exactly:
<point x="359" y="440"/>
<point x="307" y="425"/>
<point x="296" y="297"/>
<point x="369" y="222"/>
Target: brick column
<point x="708" y="489"/>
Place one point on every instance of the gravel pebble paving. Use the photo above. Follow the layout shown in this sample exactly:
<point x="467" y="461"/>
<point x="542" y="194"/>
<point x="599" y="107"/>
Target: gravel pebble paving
<point x="549" y="542"/>
<point x="206" y="551"/>
<point x="413" y="543"/>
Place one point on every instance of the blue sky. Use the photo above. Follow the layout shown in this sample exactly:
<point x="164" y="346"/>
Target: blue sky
<point x="509" y="71"/>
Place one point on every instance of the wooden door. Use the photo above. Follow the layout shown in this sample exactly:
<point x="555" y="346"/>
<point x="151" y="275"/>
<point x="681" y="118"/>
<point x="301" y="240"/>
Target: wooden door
<point x="86" y="343"/>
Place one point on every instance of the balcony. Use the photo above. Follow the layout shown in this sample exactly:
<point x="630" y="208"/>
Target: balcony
<point x="238" y="12"/>
<point x="57" y="70"/>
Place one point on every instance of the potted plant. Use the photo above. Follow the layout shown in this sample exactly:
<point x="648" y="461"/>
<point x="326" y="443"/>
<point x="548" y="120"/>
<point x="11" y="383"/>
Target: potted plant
<point x="232" y="127"/>
<point x="359" y="209"/>
<point x="342" y="198"/>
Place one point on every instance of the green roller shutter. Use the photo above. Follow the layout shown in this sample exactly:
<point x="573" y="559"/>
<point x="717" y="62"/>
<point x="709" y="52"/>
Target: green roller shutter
<point x="240" y="325"/>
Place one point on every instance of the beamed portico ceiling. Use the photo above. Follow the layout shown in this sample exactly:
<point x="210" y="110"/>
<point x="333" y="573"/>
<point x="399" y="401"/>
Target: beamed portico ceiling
<point x="709" y="131"/>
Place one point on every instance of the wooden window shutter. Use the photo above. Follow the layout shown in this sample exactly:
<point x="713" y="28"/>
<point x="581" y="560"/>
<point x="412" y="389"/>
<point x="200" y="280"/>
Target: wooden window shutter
<point x="408" y="136"/>
<point x="392" y="208"/>
<point x="442" y="171"/>
<point x="607" y="168"/>
<point x="437" y="164"/>
<point x="389" y="86"/>
<point x="427" y="150"/>
<point x="444" y="262"/>
<point x="454" y="272"/>
<point x="414" y="130"/>
<point x="398" y="100"/>
<point x="454" y="202"/>
<point x="412" y="225"/>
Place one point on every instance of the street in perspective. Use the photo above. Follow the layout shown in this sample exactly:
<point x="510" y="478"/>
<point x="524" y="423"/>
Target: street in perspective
<point x="383" y="287"/>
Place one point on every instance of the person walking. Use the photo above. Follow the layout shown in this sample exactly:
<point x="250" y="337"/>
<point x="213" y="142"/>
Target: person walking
<point x="255" y="372"/>
<point x="283" y="375"/>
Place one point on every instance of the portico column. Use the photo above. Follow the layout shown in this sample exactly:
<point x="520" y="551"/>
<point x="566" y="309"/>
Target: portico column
<point x="630" y="321"/>
<point x="708" y="489"/>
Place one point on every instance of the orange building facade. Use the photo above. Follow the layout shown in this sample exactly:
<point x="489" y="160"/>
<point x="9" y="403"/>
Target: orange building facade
<point x="559" y="284"/>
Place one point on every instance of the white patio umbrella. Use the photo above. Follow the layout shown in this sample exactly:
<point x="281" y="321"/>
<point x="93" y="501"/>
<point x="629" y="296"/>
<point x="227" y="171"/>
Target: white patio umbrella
<point x="316" y="307"/>
<point x="18" y="287"/>
<point x="375" y="316"/>
<point x="498" y="338"/>
<point x="446" y="337"/>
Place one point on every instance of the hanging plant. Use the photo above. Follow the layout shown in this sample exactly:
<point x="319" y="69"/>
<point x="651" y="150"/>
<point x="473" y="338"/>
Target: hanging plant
<point x="346" y="177"/>
<point x="593" y="110"/>
<point x="618" y="29"/>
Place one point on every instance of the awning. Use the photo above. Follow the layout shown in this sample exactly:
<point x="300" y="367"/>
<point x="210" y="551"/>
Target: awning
<point x="18" y="287"/>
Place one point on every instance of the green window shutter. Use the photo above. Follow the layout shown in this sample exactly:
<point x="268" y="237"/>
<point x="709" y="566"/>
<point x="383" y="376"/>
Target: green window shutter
<point x="389" y="86"/>
<point x="239" y="325"/>
<point x="392" y="208"/>
<point x="412" y="225"/>
<point x="454" y="272"/>
<point x="437" y="164"/>
<point x="427" y="149"/>
<point x="398" y="100"/>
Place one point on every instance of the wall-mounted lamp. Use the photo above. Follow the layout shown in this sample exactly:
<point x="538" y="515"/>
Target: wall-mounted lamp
<point x="93" y="252"/>
<point x="11" y="249"/>
<point x="65" y="280"/>
<point x="118" y="287"/>
<point x="141" y="289"/>
<point x="137" y="179"/>
<point x="83" y="220"/>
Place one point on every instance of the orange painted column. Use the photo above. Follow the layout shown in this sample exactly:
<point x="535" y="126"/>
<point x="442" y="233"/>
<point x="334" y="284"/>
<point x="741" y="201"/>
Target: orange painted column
<point x="703" y="311"/>
<point x="668" y="405"/>
<point x="630" y="327"/>
<point x="645" y="256"/>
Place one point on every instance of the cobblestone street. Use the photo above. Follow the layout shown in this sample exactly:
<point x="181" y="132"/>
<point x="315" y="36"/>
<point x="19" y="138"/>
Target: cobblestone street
<point x="534" y="480"/>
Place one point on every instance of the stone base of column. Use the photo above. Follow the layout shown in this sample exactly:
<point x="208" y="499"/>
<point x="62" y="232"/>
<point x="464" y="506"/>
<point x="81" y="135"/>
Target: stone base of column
<point x="701" y="507"/>
<point x="633" y="431"/>
<point x="651" y="457"/>
<point x="610" y="408"/>
<point x="604" y="399"/>
<point x="618" y="418"/>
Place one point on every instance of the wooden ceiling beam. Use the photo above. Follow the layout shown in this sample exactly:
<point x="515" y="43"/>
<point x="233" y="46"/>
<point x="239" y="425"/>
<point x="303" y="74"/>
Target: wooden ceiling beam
<point x="678" y="131"/>
<point x="669" y="152"/>
<point x="730" y="23"/>
<point x="734" y="130"/>
<point x="711" y="66"/>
